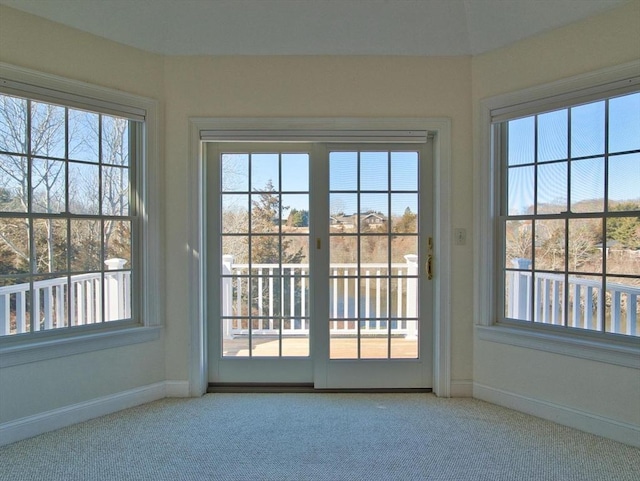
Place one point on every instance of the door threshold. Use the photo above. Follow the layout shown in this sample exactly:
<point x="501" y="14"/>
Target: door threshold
<point x="299" y="388"/>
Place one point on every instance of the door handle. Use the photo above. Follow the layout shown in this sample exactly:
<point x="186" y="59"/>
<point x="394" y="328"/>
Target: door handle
<point x="429" y="267"/>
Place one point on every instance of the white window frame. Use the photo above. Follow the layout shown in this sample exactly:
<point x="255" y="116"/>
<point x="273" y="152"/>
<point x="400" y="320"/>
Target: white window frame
<point x="487" y="273"/>
<point x="202" y="129"/>
<point x="71" y="93"/>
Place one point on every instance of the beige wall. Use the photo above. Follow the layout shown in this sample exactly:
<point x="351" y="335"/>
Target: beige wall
<point x="606" y="390"/>
<point x="314" y="87"/>
<point x="30" y="42"/>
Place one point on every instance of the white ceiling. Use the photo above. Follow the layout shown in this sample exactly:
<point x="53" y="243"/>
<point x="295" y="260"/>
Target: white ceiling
<point x="315" y="27"/>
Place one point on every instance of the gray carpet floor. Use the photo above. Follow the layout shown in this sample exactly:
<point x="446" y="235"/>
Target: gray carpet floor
<point x="335" y="437"/>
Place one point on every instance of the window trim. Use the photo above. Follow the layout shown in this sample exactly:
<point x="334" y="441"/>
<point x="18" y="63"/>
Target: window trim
<point x="72" y="93"/>
<point x="593" y="346"/>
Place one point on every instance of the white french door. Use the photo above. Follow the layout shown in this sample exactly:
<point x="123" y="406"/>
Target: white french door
<point x="316" y="264"/>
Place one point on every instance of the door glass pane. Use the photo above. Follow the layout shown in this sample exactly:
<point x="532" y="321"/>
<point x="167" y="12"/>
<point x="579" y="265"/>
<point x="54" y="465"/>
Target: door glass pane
<point x="373" y="274"/>
<point x="265" y="252"/>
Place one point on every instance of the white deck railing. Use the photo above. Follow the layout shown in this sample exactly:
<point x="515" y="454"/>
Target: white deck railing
<point x="585" y="299"/>
<point x="52" y="298"/>
<point x="348" y="303"/>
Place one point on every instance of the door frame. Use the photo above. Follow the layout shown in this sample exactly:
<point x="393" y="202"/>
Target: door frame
<point x="202" y="130"/>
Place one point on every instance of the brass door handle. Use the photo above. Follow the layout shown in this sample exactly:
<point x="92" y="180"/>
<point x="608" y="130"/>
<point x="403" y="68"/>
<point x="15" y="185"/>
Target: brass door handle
<point x="429" y="267"/>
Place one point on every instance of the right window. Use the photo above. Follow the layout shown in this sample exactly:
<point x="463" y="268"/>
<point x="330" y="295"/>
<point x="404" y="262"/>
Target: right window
<point x="569" y="219"/>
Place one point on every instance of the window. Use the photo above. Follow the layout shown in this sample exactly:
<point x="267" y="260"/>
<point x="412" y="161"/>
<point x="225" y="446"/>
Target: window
<point x="77" y="222"/>
<point x="569" y="215"/>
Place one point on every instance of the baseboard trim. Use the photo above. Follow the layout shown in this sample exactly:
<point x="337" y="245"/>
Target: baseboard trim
<point x="462" y="388"/>
<point x="30" y="426"/>
<point x="568" y="416"/>
<point x="177" y="389"/>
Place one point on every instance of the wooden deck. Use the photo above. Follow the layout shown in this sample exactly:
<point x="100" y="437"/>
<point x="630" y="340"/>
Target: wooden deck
<point x="340" y="347"/>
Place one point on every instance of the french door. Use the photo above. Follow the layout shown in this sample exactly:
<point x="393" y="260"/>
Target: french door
<point x="317" y="264"/>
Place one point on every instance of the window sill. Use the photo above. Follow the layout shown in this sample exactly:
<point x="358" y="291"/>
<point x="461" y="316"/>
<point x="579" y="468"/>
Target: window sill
<point x="625" y="354"/>
<point x="35" y="351"/>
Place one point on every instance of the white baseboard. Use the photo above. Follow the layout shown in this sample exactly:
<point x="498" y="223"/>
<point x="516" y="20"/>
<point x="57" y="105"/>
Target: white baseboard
<point x="177" y="389"/>
<point x="29" y="426"/>
<point x="462" y="388"/>
<point x="568" y="416"/>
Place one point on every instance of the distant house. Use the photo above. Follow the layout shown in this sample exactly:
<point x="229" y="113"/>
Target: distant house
<point x="372" y="219"/>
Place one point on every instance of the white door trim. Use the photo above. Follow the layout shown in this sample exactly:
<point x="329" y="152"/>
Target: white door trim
<point x="440" y="128"/>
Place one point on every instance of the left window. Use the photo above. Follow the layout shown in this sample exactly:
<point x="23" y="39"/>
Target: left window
<point x="74" y="208"/>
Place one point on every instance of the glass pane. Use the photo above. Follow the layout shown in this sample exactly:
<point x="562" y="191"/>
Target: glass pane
<point x="235" y="213"/>
<point x="404" y="251"/>
<point x="517" y="296"/>
<point x="585" y="246"/>
<point x="585" y="302"/>
<point x="237" y="247"/>
<point x="83" y="187"/>
<point x="50" y="239"/>
<point x="343" y="171"/>
<point x="622" y="313"/>
<point x="295" y="251"/>
<point x="521" y="142"/>
<point x="549" y="298"/>
<point x="297" y="346"/>
<point x="295" y="172"/>
<point x="550" y="245"/>
<point x="343" y="250"/>
<point x="48" y="186"/>
<point x="115" y="191"/>
<point x="83" y="136"/>
<point x="117" y="241"/>
<point x="374" y="252"/>
<point x="521" y="197"/>
<point x="51" y="301"/>
<point x="295" y="212"/>
<point x="234" y="298"/>
<point x="404" y="339"/>
<point x="342" y="343"/>
<point x="343" y="209"/>
<point x="374" y="297"/>
<point x="86" y="245"/>
<point x="404" y="213"/>
<point x="374" y="347"/>
<point x="624" y="123"/>
<point x="236" y="347"/>
<point x="265" y="212"/>
<point x="374" y="212"/>
<point x="404" y="171"/>
<point x="264" y="172"/>
<point x="115" y="141"/>
<point x="265" y="295"/>
<point x="519" y="244"/>
<point x="343" y="294"/>
<point x="587" y="130"/>
<point x="374" y="171"/>
<point x="13" y="124"/>
<point x="48" y="136"/>
<point x="587" y="185"/>
<point x="265" y="249"/>
<point x="86" y="296"/>
<point x="552" y="188"/>
<point x="13" y="183"/>
<point x="235" y="172"/>
<point x="624" y="182"/>
<point x="15" y="300"/>
<point x="552" y="136"/>
<point x="623" y="245"/>
<point x="14" y="245"/>
<point x="404" y="297"/>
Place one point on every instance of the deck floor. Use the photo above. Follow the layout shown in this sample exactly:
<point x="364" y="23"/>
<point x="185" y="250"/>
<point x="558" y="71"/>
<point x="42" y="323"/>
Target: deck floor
<point x="340" y="347"/>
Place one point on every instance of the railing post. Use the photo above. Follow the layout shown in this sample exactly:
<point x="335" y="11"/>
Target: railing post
<point x="227" y="296"/>
<point x="114" y="292"/>
<point x="412" y="295"/>
<point x="520" y="292"/>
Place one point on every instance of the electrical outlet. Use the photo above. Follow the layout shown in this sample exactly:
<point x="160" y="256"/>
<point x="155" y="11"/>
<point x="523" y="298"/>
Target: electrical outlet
<point x="460" y="236"/>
